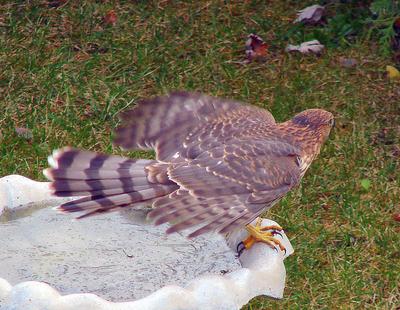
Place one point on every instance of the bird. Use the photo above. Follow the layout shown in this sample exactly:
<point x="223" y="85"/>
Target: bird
<point x="219" y="164"/>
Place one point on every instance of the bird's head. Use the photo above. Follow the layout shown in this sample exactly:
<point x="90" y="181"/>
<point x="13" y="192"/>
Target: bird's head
<point x="315" y="118"/>
<point x="317" y="121"/>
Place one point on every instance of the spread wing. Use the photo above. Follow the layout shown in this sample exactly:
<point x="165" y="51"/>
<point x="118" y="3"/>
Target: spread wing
<point x="230" y="160"/>
<point x="162" y="123"/>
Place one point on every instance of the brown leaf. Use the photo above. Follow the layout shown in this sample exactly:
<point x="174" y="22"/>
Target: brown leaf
<point x="110" y="18"/>
<point x="396" y="217"/>
<point x="256" y="48"/>
<point x="81" y="56"/>
<point x="24" y="133"/>
<point x="326" y="207"/>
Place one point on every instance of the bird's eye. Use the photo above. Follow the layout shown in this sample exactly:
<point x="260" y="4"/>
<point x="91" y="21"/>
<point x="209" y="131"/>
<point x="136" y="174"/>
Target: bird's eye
<point x="332" y="122"/>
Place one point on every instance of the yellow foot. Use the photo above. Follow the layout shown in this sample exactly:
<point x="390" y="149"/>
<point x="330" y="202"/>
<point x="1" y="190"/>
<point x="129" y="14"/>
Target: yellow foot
<point x="261" y="234"/>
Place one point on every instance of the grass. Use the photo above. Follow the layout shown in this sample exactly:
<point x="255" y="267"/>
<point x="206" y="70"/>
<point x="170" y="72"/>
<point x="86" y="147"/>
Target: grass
<point x="66" y="75"/>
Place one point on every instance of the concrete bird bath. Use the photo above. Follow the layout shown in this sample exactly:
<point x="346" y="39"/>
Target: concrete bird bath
<point x="119" y="261"/>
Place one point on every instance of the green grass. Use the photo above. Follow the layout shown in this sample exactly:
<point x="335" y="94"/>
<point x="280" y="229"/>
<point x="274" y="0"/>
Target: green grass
<point x="66" y="76"/>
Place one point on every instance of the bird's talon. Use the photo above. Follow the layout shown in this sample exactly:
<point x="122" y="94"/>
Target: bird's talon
<point x="274" y="232"/>
<point x="262" y="234"/>
<point x="240" y="248"/>
<point x="269" y="227"/>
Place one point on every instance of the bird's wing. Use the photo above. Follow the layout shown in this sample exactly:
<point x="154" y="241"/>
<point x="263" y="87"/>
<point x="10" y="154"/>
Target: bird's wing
<point x="221" y="214"/>
<point x="261" y="168"/>
<point x="162" y="123"/>
<point x="228" y="186"/>
<point x="233" y="152"/>
<point x="230" y="160"/>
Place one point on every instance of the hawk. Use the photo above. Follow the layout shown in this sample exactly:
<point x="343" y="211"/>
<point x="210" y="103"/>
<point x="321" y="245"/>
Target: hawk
<point x="219" y="164"/>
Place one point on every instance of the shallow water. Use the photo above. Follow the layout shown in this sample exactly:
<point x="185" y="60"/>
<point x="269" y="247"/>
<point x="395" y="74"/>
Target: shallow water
<point x="116" y="256"/>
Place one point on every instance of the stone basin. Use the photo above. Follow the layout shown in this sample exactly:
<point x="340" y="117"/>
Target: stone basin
<point x="121" y="258"/>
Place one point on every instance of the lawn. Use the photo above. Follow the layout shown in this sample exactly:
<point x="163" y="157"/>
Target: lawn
<point x="66" y="73"/>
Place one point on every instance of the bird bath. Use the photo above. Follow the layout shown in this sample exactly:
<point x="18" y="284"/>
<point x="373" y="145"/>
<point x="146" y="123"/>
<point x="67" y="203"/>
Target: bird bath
<point x="121" y="258"/>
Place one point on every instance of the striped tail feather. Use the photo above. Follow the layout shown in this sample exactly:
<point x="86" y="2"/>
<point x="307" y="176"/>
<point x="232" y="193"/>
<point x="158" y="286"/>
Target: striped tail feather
<point x="109" y="182"/>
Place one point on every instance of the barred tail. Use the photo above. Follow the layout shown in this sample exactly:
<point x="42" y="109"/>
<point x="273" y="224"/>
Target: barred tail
<point x="108" y="182"/>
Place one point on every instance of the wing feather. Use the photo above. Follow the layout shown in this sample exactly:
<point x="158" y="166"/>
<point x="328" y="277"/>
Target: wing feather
<point x="230" y="160"/>
<point x="163" y="122"/>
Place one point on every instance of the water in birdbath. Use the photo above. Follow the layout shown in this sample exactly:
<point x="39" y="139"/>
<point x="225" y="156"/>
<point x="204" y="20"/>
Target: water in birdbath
<point x="116" y="256"/>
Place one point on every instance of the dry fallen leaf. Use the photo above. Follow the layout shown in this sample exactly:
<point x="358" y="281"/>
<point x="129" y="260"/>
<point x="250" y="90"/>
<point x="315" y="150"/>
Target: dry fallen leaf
<point x="256" y="48"/>
<point x="309" y="47"/>
<point x="110" y="18"/>
<point x="310" y="15"/>
<point x="326" y="207"/>
<point x="392" y="72"/>
<point x="81" y="56"/>
<point x="24" y="133"/>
